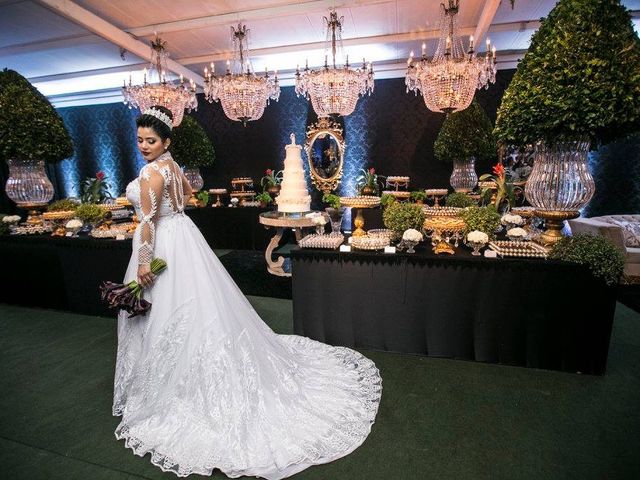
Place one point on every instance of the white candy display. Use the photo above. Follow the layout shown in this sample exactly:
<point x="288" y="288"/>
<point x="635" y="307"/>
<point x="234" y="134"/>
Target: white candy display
<point x="294" y="196"/>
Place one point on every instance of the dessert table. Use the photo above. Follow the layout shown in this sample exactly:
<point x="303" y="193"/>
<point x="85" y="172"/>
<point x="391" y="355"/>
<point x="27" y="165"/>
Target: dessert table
<point x="528" y="312"/>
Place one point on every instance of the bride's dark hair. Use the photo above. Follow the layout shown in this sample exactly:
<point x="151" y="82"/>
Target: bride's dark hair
<point x="158" y="126"/>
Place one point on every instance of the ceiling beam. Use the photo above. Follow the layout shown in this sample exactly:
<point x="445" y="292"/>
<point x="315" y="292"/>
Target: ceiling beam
<point x="277" y="11"/>
<point x="486" y="17"/>
<point x="106" y="30"/>
<point x="49" y="44"/>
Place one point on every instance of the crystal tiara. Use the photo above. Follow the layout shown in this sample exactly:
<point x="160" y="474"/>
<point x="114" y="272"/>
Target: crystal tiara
<point x="163" y="117"/>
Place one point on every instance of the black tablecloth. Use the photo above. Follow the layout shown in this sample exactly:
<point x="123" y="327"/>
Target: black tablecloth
<point x="60" y="273"/>
<point x="535" y="313"/>
<point x="233" y="228"/>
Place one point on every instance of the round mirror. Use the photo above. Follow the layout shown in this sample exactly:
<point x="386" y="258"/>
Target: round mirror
<point x="325" y="153"/>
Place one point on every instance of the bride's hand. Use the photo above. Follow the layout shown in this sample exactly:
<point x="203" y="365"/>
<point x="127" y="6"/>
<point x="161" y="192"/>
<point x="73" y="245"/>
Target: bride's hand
<point x="145" y="277"/>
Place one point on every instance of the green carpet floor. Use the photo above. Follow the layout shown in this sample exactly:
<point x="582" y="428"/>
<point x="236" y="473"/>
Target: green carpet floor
<point x="439" y="419"/>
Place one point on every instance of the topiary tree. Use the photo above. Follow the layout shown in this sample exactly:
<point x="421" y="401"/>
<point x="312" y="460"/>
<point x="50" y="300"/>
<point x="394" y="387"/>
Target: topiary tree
<point x="31" y="128"/>
<point x="580" y="78"/>
<point x="464" y="134"/>
<point x="190" y="145"/>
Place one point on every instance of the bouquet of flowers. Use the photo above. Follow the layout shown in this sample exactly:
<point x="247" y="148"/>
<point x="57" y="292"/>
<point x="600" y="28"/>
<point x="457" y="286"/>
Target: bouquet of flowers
<point x="128" y="296"/>
<point x="505" y="190"/>
<point x="368" y="182"/>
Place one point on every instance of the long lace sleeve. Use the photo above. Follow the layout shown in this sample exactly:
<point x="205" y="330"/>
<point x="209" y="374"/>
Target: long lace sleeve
<point x="151" y="185"/>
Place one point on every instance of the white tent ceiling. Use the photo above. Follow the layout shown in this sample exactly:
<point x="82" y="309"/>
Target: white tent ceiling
<point x="79" y="51"/>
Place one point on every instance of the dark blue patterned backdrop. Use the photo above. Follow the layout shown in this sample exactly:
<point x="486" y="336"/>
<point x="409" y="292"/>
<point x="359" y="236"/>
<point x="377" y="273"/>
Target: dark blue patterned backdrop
<point x="104" y="140"/>
<point x="391" y="130"/>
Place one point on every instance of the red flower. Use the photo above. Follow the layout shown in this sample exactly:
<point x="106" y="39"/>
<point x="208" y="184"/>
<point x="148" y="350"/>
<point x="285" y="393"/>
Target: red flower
<point x="100" y="175"/>
<point x="372" y="171"/>
<point x="268" y="171"/>
<point x="498" y="169"/>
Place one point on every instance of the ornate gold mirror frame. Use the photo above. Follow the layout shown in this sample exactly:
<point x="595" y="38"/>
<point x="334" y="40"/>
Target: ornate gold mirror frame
<point x="319" y="130"/>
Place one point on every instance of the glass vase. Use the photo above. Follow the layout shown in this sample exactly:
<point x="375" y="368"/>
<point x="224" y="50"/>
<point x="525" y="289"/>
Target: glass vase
<point x="335" y="215"/>
<point x="464" y="178"/>
<point x="560" y="185"/>
<point x="560" y="179"/>
<point x="194" y="178"/>
<point x="28" y="184"/>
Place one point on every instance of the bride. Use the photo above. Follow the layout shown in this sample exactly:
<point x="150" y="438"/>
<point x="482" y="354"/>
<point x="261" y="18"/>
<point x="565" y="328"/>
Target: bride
<point x="201" y="381"/>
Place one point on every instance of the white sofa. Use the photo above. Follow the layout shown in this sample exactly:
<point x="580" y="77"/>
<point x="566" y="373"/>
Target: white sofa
<point x="604" y="226"/>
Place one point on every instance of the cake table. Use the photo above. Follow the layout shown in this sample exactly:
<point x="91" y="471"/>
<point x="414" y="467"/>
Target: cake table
<point x="280" y="221"/>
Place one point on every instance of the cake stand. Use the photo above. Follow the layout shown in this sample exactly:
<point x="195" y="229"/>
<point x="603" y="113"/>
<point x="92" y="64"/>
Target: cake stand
<point x="395" y="182"/>
<point x="217" y="192"/>
<point x="280" y="221"/>
<point x="362" y="201"/>
<point x="443" y="230"/>
<point x="436" y="194"/>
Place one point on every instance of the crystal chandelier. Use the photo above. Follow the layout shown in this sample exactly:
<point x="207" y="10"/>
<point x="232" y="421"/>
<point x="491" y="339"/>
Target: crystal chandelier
<point x="175" y="97"/>
<point x="333" y="90"/>
<point x="449" y="80"/>
<point x="243" y="94"/>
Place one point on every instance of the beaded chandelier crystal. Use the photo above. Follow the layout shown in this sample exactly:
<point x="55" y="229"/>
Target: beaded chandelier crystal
<point x="333" y="90"/>
<point x="243" y="94"/>
<point x="175" y="97"/>
<point x="449" y="80"/>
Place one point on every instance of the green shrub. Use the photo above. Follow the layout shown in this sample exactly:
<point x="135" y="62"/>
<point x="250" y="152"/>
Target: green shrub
<point x="484" y="219"/>
<point x="459" y="199"/>
<point x="464" y="134"/>
<point x="264" y="197"/>
<point x="386" y="200"/>
<point x="89" y="212"/>
<point x="64" y="205"/>
<point x="418" y="195"/>
<point x="603" y="258"/>
<point x="580" y="78"/>
<point x="31" y="128"/>
<point x="190" y="145"/>
<point x="332" y="200"/>
<point x="400" y="216"/>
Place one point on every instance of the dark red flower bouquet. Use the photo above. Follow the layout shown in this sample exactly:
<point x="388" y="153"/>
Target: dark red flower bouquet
<point x="128" y="296"/>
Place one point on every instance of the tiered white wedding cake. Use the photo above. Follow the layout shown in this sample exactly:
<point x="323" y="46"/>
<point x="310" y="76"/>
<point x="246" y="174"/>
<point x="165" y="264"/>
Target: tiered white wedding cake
<point x="294" y="196"/>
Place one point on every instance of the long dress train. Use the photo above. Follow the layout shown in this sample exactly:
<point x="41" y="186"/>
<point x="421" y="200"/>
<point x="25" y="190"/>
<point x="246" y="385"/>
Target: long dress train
<point x="202" y="382"/>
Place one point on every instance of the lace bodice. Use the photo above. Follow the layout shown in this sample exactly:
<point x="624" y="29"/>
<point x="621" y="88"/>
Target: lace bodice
<point x="157" y="192"/>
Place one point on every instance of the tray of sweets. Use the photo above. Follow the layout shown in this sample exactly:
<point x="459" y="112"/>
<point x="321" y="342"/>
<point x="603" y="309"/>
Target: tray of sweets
<point x="367" y="242"/>
<point x="362" y="201"/>
<point x="330" y="241"/>
<point x="522" y="249"/>
<point x="397" y="193"/>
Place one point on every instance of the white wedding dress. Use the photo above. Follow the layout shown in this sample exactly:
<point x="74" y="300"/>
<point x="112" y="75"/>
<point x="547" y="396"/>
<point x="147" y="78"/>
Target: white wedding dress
<point x="202" y="383"/>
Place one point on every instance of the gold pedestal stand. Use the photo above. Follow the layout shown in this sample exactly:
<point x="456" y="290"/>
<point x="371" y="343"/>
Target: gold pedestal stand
<point x="359" y="223"/>
<point x="554" y="222"/>
<point x="34" y="215"/>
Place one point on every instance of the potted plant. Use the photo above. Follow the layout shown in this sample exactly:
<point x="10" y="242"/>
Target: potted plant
<point x="401" y="216"/>
<point x="459" y="200"/>
<point x="192" y="149"/>
<point x="32" y="133"/>
<point x="271" y="182"/>
<point x="465" y="136"/>
<point x="64" y="205"/>
<point x="503" y="193"/>
<point x="418" y="197"/>
<point x="202" y="198"/>
<point x="264" y="198"/>
<point x="603" y="258"/>
<point x="483" y="219"/>
<point x="95" y="189"/>
<point x="334" y="210"/>
<point x="576" y="87"/>
<point x="368" y="182"/>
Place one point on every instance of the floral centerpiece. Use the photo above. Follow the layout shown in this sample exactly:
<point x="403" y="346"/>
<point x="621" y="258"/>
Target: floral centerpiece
<point x="335" y="210"/>
<point x="476" y="240"/>
<point x="95" y="189"/>
<point x="368" y="183"/>
<point x="410" y="238"/>
<point x="517" y="233"/>
<point x="400" y="216"/>
<point x="484" y="219"/>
